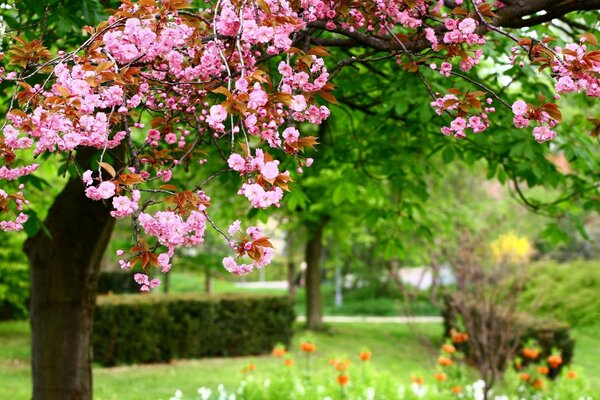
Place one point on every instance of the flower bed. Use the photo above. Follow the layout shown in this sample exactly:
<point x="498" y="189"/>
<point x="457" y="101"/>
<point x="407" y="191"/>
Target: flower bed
<point x="356" y="379"/>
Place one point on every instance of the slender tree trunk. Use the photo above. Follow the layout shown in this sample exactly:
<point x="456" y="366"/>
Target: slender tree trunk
<point x="64" y="274"/>
<point x="208" y="281"/>
<point x="314" y="304"/>
<point x="291" y="278"/>
<point x="166" y="283"/>
<point x="291" y="265"/>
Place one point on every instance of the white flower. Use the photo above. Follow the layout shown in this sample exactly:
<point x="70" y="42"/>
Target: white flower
<point x="370" y="393"/>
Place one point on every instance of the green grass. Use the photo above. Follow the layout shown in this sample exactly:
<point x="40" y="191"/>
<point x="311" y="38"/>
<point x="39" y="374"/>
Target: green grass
<point x="398" y="349"/>
<point x="587" y="353"/>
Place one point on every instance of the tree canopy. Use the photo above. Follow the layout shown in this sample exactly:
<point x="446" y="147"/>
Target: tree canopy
<point x="227" y="88"/>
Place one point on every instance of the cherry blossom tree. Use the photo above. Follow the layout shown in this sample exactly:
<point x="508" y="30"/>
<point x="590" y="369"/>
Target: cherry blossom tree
<point x="161" y="88"/>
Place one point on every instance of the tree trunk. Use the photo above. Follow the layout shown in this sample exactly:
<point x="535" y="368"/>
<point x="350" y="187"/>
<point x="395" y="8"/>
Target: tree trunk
<point x="208" y="281"/>
<point x="166" y="283"/>
<point x="64" y="274"/>
<point x="291" y="278"/>
<point x="291" y="265"/>
<point x="314" y="304"/>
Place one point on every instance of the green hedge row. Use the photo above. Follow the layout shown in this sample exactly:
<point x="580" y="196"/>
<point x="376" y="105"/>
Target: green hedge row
<point x="550" y="335"/>
<point x="157" y="328"/>
<point x="117" y="282"/>
<point x="14" y="292"/>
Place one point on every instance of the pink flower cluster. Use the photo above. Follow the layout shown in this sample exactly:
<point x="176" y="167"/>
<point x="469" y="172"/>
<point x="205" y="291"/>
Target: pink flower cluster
<point x="525" y="113"/>
<point x="172" y="231"/>
<point x="139" y="41"/>
<point x="462" y="31"/>
<point x="267" y="171"/>
<point x="10" y="174"/>
<point x="20" y="218"/>
<point x="254" y="244"/>
<point x="577" y="71"/>
<point x="124" y="206"/>
<point x="462" y="121"/>
<point x="145" y="282"/>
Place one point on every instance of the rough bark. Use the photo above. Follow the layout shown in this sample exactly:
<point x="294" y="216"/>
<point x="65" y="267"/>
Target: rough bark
<point x="208" y="281"/>
<point x="64" y="274"/>
<point x="291" y="278"/>
<point x="314" y="304"/>
<point x="291" y="265"/>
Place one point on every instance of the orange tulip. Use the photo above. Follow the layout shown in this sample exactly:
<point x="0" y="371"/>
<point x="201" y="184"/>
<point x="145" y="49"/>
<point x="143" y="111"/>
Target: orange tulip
<point x="532" y="354"/>
<point x="440" y="377"/>
<point x="456" y="390"/>
<point x="308" y="347"/>
<point x="524" y="376"/>
<point x="343" y="379"/>
<point x="538" y="384"/>
<point x="416" y="379"/>
<point x="444" y="361"/>
<point x="555" y="360"/>
<point x="458" y="337"/>
<point x="279" y="352"/>
<point x="343" y="365"/>
<point x="288" y="362"/>
<point x="251" y="367"/>
<point x="543" y="370"/>
<point x="448" y="348"/>
<point x="365" y="355"/>
<point x="571" y="374"/>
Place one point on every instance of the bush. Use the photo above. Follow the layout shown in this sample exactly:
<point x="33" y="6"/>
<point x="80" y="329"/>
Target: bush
<point x="568" y="292"/>
<point x="14" y="278"/>
<point x="549" y="335"/>
<point x="158" y="328"/>
<point x="14" y="292"/>
<point x="116" y="282"/>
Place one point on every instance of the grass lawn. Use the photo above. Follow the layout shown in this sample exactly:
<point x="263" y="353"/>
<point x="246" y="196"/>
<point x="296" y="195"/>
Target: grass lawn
<point x="398" y="349"/>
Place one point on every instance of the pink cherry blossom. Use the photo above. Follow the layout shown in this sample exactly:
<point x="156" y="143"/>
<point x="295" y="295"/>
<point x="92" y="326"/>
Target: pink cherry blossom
<point x="270" y="170"/>
<point x="519" y="107"/>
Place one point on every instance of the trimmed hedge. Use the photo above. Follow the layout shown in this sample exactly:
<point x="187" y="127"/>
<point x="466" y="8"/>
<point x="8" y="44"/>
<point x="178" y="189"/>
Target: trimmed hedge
<point x="158" y="328"/>
<point x="116" y="282"/>
<point x="14" y="292"/>
<point x="548" y="333"/>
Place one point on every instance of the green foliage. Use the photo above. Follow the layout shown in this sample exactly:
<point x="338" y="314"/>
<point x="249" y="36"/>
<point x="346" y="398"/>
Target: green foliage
<point x="14" y="278"/>
<point x="142" y="329"/>
<point x="55" y="20"/>
<point x="372" y="299"/>
<point x="568" y="292"/>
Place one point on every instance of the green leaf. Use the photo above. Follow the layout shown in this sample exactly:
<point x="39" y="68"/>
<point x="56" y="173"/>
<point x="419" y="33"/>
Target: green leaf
<point x="401" y="107"/>
<point x="554" y="234"/>
<point x="448" y="154"/>
<point x="296" y="199"/>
